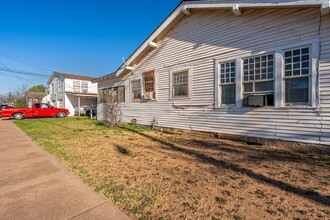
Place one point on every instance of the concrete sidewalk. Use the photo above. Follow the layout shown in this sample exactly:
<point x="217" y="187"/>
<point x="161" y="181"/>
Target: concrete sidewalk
<point x="34" y="185"/>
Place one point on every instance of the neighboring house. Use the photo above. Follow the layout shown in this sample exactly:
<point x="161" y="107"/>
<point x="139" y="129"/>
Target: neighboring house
<point x="252" y="68"/>
<point x="71" y="91"/>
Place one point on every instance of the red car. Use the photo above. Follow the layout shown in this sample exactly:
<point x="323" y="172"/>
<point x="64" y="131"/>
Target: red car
<point x="38" y="110"/>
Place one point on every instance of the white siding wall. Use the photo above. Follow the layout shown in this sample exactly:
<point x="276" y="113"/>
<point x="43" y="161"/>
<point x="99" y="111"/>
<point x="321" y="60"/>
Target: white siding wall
<point x="69" y="105"/>
<point x="196" y="41"/>
<point x="325" y="79"/>
<point x="59" y="95"/>
<point x="92" y="87"/>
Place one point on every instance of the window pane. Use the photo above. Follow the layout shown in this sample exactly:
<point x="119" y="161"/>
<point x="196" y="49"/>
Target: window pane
<point x="228" y="94"/>
<point x="227" y="75"/>
<point x="253" y="66"/>
<point x="136" y="89"/>
<point x="264" y="86"/>
<point x="248" y="87"/>
<point x="121" y="94"/>
<point x="84" y="86"/>
<point x="180" y="83"/>
<point x="149" y="81"/>
<point x="288" y="73"/>
<point x="305" y="71"/>
<point x="181" y="90"/>
<point x="76" y="86"/>
<point x="180" y="77"/>
<point x="297" y="62"/>
<point x="288" y="54"/>
<point x="296" y="52"/>
<point x="305" y="50"/>
<point x="297" y="90"/>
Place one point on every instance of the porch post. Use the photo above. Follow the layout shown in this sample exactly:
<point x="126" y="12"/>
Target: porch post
<point x="78" y="106"/>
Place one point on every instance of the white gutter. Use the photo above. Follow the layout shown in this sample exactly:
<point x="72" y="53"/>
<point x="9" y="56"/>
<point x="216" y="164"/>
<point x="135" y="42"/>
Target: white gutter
<point x="217" y="5"/>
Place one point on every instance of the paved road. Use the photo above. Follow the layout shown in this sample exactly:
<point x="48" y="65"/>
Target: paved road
<point x="34" y="185"/>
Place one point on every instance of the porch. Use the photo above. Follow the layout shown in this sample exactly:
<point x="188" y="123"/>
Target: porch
<point x="77" y="102"/>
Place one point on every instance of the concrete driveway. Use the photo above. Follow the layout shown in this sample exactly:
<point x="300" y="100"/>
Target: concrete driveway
<point x="34" y="185"/>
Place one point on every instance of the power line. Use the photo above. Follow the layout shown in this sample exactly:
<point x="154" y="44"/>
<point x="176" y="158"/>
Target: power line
<point x="20" y="78"/>
<point x="11" y="57"/>
<point x="23" y="80"/>
<point x="24" y="72"/>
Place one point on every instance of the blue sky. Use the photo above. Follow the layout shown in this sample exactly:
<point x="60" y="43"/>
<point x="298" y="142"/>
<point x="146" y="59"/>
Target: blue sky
<point x="87" y="37"/>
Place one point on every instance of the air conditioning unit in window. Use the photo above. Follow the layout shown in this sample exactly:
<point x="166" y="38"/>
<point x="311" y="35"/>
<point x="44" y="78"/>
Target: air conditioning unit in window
<point x="149" y="96"/>
<point x="259" y="100"/>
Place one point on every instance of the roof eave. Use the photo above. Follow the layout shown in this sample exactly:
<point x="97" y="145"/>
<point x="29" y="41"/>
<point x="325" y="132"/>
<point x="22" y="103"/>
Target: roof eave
<point x="180" y="12"/>
<point x="111" y="75"/>
<point x="51" y="78"/>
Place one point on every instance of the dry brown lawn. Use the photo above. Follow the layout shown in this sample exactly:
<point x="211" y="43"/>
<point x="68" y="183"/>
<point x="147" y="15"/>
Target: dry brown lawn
<point x="189" y="175"/>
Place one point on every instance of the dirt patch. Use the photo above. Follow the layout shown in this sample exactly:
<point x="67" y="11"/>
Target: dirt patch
<point x="193" y="175"/>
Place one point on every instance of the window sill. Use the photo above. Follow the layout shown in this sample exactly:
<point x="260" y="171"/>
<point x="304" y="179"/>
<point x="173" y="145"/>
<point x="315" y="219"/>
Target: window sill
<point x="181" y="98"/>
<point x="268" y="107"/>
<point x="297" y="107"/>
<point x="154" y="100"/>
<point x="226" y="107"/>
<point x="143" y="101"/>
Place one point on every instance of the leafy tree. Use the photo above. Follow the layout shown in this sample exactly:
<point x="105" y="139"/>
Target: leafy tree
<point x="38" y="88"/>
<point x="20" y="103"/>
<point x="36" y="92"/>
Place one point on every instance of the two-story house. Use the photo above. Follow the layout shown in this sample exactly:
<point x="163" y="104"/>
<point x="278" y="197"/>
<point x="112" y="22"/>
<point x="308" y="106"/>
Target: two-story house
<point x="71" y="91"/>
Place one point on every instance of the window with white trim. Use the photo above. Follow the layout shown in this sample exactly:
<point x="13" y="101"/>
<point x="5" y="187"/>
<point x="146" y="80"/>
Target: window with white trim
<point x="180" y="84"/>
<point x="76" y="86"/>
<point x="60" y="86"/>
<point x="297" y="76"/>
<point x="288" y="76"/>
<point x="258" y="80"/>
<point x="149" y="85"/>
<point x="228" y="83"/>
<point x="136" y="89"/>
<point x="84" y="86"/>
<point x="119" y="93"/>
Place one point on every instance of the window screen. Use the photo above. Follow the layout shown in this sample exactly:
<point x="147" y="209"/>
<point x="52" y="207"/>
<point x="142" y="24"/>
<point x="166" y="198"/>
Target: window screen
<point x="297" y="90"/>
<point x="228" y="94"/>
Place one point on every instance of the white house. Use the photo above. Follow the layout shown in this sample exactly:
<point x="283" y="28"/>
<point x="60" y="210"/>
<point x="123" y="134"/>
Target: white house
<point x="244" y="67"/>
<point x="71" y="91"/>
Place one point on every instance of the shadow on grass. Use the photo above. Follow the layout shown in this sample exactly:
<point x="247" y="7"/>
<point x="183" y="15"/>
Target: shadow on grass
<point x="308" y="194"/>
<point x="122" y="150"/>
<point x="270" y="154"/>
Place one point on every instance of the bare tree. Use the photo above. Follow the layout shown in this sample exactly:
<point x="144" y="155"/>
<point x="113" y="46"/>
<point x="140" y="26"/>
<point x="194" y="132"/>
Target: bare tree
<point x="112" y="108"/>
